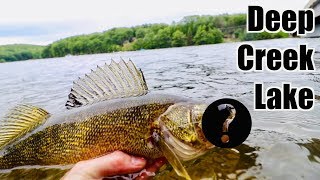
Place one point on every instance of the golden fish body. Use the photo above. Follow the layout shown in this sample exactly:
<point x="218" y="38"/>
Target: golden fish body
<point x="124" y="124"/>
<point x="111" y="109"/>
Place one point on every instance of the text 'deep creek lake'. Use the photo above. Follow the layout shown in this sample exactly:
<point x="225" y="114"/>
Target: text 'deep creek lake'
<point x="282" y="144"/>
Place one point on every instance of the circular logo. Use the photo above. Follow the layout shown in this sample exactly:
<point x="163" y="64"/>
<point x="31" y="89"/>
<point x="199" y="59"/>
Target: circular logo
<point x="226" y="123"/>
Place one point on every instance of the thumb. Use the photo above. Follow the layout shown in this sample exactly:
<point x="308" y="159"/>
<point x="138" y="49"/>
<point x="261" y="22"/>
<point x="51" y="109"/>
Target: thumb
<point x="115" y="163"/>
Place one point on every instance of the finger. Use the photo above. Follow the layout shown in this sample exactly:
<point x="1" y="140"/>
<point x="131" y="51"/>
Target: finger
<point x="156" y="165"/>
<point x="115" y="163"/>
<point x="151" y="169"/>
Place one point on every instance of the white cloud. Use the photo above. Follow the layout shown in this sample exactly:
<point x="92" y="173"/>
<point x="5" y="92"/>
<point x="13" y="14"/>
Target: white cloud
<point x="98" y="15"/>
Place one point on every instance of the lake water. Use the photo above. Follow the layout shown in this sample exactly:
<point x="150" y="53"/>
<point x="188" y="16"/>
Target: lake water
<point x="282" y="145"/>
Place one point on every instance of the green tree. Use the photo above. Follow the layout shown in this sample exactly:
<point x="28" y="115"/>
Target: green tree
<point x="120" y="35"/>
<point x="201" y="36"/>
<point x="239" y="33"/>
<point x="163" y="38"/>
<point x="178" y="39"/>
<point x="138" y="44"/>
<point x="207" y="37"/>
<point x="127" y="46"/>
<point x="149" y="41"/>
<point x="141" y="32"/>
<point x="217" y="35"/>
<point x="18" y="52"/>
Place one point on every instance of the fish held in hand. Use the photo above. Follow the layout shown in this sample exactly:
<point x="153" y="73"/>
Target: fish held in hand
<point x="108" y="109"/>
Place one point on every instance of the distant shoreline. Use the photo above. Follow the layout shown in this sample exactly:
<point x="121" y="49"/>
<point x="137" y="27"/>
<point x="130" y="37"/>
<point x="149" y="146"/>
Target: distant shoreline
<point x="191" y="30"/>
<point x="225" y="42"/>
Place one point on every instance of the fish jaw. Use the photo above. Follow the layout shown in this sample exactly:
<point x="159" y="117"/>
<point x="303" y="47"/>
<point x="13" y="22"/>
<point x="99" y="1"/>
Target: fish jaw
<point x="184" y="151"/>
<point x="180" y="127"/>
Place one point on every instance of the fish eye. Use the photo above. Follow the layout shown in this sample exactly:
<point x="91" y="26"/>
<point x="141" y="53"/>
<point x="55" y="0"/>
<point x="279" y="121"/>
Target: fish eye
<point x="222" y="131"/>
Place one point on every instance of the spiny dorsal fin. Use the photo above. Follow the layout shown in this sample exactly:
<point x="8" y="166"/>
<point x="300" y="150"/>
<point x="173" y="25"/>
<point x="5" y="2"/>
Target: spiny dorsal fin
<point x="19" y="121"/>
<point x="116" y="80"/>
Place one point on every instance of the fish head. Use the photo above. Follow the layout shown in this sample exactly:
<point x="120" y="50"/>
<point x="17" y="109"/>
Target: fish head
<point x="181" y="128"/>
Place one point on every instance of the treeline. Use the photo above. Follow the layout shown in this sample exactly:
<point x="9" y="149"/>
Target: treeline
<point x="191" y="30"/>
<point x="18" y="52"/>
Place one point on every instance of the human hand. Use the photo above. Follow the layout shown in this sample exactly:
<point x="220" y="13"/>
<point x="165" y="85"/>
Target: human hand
<point x="116" y="163"/>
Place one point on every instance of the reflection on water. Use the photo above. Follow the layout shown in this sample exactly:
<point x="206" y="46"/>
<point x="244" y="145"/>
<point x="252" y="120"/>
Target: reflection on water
<point x="30" y="174"/>
<point x="218" y="164"/>
<point x="282" y="145"/>
<point x="291" y="160"/>
<point x="314" y="148"/>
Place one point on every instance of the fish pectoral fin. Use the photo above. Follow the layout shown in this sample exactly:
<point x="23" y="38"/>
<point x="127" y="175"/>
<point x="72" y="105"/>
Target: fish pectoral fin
<point x="173" y="159"/>
<point x="117" y="80"/>
<point x="19" y="121"/>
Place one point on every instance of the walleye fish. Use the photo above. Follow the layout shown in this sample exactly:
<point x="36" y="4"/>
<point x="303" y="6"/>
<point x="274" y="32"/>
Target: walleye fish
<point x="109" y="109"/>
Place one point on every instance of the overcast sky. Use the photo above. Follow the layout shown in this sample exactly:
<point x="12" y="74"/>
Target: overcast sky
<point x="45" y="21"/>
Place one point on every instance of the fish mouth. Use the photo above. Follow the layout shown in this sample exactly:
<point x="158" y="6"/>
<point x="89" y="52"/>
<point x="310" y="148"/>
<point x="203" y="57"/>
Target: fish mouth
<point x="184" y="151"/>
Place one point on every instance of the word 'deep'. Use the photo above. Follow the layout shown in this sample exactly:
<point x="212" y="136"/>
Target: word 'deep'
<point x="301" y="22"/>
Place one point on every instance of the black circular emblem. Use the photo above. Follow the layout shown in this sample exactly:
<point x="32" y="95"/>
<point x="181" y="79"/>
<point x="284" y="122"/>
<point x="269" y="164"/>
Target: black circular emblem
<point x="226" y="123"/>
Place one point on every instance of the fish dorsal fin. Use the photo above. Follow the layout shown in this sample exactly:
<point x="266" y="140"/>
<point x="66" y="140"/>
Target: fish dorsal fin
<point x="173" y="159"/>
<point x="19" y="121"/>
<point x="116" y="80"/>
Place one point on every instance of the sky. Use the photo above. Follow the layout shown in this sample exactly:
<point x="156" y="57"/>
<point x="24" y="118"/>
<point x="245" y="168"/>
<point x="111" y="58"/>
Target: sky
<point x="44" y="21"/>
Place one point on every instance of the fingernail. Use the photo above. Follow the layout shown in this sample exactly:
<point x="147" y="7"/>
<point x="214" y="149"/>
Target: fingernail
<point x="138" y="161"/>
